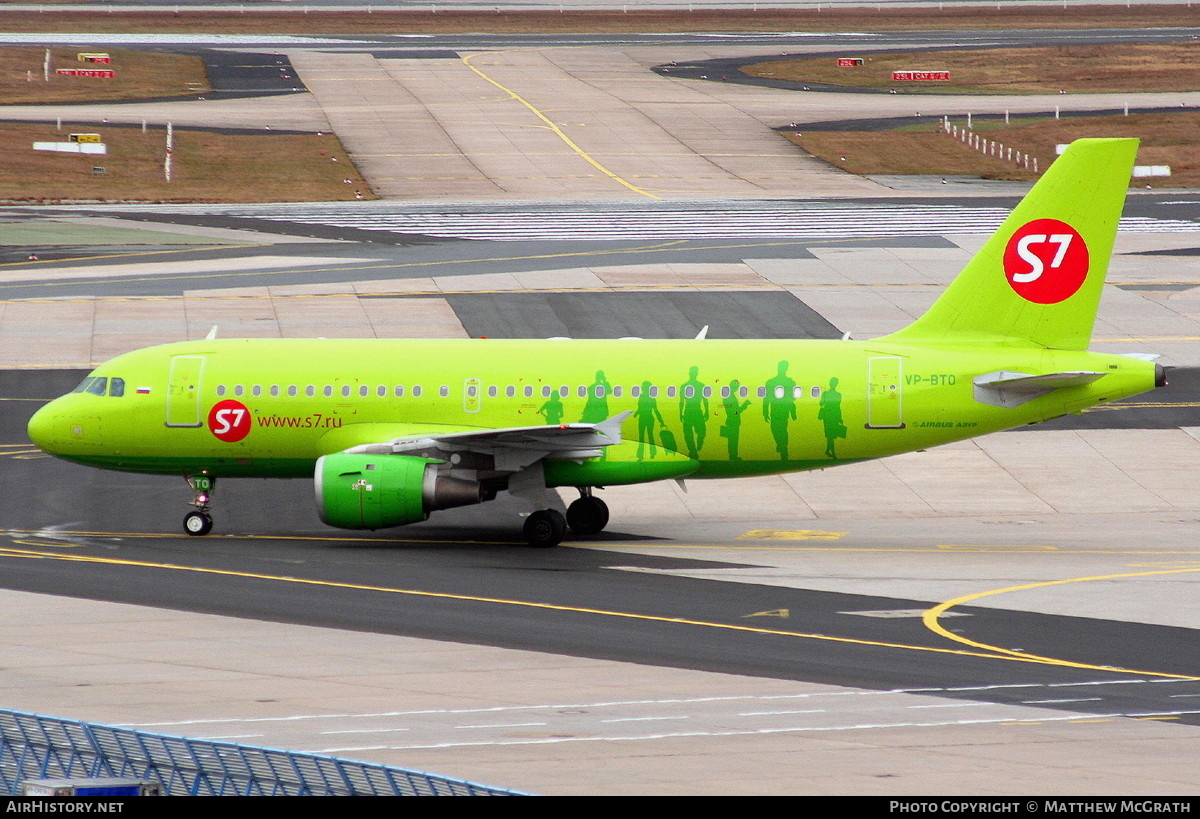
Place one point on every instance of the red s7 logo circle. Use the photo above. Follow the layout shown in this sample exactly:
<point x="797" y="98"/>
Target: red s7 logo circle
<point x="1046" y="261"/>
<point x="229" y="420"/>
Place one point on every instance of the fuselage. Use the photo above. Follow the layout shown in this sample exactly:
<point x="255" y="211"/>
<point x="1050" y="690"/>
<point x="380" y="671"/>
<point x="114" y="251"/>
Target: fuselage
<point x="271" y="407"/>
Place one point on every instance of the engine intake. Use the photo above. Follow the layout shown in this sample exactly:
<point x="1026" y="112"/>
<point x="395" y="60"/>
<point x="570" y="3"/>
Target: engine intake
<point x="379" y="491"/>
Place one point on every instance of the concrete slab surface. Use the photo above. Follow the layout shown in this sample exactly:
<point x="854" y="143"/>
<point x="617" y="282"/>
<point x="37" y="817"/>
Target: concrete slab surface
<point x="551" y="124"/>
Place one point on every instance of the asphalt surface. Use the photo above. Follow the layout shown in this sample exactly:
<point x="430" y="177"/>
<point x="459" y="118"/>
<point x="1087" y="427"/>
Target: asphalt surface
<point x="422" y="258"/>
<point x="772" y="42"/>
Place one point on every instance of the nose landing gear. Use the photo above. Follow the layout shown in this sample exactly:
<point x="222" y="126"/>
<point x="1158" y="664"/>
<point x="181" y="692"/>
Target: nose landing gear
<point x="199" y="521"/>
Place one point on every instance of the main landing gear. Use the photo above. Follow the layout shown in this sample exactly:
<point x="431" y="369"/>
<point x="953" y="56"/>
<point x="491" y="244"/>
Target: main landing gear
<point x="199" y="521"/>
<point x="545" y="528"/>
<point x="586" y="516"/>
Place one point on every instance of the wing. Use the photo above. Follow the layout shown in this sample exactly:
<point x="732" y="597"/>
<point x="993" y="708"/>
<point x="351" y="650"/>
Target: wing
<point x="505" y="449"/>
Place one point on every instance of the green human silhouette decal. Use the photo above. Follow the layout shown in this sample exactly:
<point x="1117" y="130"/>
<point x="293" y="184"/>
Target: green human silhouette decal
<point x="693" y="413"/>
<point x="830" y="414"/>
<point x="733" y="407"/>
<point x="596" y="408"/>
<point x="552" y="410"/>
<point x="779" y="407"/>
<point x="646" y="414"/>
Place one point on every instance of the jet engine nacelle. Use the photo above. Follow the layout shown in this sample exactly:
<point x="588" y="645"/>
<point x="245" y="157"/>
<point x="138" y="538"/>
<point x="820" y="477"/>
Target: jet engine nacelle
<point x="378" y="491"/>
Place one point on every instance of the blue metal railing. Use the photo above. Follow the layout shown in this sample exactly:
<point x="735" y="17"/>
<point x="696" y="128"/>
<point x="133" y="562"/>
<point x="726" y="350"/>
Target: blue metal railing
<point x="40" y="747"/>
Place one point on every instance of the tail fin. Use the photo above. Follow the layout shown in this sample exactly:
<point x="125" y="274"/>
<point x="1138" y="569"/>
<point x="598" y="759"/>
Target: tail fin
<point x="1037" y="280"/>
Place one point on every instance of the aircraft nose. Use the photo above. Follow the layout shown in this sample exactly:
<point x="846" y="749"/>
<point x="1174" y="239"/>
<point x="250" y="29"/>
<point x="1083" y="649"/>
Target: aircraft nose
<point x="41" y="428"/>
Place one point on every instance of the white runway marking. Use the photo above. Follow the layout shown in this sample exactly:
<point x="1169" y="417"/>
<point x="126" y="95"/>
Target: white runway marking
<point x="746" y="220"/>
<point x="615" y="721"/>
<point x="172" y="268"/>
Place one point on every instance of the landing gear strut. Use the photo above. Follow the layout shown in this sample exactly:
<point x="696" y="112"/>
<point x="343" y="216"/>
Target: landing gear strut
<point x="588" y="515"/>
<point x="199" y="521"/>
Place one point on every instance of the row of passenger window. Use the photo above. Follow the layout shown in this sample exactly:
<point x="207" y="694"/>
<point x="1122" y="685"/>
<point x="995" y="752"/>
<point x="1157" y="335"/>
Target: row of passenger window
<point x="311" y="391"/>
<point x="473" y="390"/>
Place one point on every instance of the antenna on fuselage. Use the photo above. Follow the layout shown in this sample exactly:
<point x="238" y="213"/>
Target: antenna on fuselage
<point x="703" y="334"/>
<point x="211" y="333"/>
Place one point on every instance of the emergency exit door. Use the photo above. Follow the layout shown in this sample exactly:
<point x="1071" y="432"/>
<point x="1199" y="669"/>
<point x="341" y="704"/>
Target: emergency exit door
<point x="183" y="391"/>
<point x="885" y="398"/>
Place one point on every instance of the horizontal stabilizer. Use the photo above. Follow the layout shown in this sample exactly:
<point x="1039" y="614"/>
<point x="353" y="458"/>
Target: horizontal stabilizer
<point x="1011" y="389"/>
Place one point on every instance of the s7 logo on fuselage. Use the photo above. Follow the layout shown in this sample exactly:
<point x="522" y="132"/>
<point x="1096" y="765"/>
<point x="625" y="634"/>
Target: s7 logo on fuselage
<point x="1046" y="261"/>
<point x="229" y="420"/>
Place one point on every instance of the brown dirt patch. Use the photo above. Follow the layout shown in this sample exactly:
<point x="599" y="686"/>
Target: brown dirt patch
<point x="207" y="167"/>
<point x="1167" y="139"/>
<point x="1074" y="69"/>
<point x="385" y="21"/>
<point x="139" y="75"/>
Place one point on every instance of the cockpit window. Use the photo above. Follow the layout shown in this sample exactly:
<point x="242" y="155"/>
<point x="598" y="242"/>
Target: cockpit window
<point x="113" y="387"/>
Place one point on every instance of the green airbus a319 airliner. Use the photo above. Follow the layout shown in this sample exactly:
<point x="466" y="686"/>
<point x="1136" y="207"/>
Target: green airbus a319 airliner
<point x="391" y="431"/>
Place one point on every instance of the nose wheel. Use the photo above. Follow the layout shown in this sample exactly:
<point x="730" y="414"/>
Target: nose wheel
<point x="199" y="521"/>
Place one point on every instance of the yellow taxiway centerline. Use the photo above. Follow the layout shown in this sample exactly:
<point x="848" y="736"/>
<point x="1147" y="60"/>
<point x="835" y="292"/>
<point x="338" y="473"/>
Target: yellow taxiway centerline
<point x="931" y="621"/>
<point x="1000" y="654"/>
<point x="557" y="131"/>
